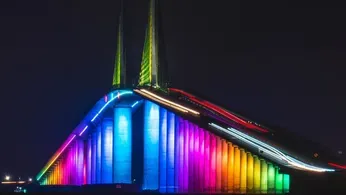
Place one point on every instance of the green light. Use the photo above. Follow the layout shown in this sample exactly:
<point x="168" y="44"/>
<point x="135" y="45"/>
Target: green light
<point x="118" y="78"/>
<point x="149" y="66"/>
<point x="145" y="74"/>
<point x="278" y="181"/>
<point x="286" y="183"/>
<point x="271" y="177"/>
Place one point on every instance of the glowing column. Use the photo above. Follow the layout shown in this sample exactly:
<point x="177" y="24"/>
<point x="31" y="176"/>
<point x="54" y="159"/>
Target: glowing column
<point x="107" y="151"/>
<point x="230" y="179"/>
<point x="271" y="178"/>
<point x="93" y="157"/>
<point x="212" y="163"/>
<point x="191" y="162"/>
<point x="218" y="164"/>
<point x="163" y="150"/>
<point x="257" y="175"/>
<point x="74" y="163"/>
<point x="98" y="154"/>
<point x="278" y="181"/>
<point x="186" y="156"/>
<point x="151" y="146"/>
<point x="236" y="169"/>
<point x="170" y="151"/>
<point x="201" y="160"/>
<point x="197" y="157"/>
<point x="243" y="171"/>
<point x="206" y="161"/>
<point x="180" y="149"/>
<point x="89" y="149"/>
<point x="54" y="175"/>
<point x="80" y="161"/>
<point x="264" y="176"/>
<point x="61" y="170"/>
<point x="286" y="183"/>
<point x="250" y="171"/>
<point x="224" y="165"/>
<point x="122" y="143"/>
<point x="67" y="166"/>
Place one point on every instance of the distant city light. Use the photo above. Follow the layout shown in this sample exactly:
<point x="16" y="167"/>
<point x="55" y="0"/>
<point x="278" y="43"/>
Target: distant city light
<point x="30" y="179"/>
<point x="7" y="177"/>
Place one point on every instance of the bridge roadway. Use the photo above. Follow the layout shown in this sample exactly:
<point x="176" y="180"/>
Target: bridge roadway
<point x="274" y="145"/>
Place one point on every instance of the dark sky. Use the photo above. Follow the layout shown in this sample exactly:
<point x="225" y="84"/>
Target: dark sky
<point x="278" y="63"/>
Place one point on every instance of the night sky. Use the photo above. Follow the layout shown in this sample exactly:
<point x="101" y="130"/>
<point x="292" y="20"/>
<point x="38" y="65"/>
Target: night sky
<point x="278" y="63"/>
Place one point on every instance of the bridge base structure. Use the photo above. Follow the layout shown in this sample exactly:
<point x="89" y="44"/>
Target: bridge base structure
<point x="130" y="139"/>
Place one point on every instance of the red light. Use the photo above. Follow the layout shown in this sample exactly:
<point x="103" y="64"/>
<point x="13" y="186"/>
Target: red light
<point x="337" y="166"/>
<point x="220" y="111"/>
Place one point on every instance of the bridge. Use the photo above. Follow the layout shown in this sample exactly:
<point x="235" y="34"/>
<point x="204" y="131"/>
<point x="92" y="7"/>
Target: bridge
<point x="168" y="140"/>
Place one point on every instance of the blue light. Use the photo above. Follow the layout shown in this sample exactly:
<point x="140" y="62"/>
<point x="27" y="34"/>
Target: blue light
<point x="89" y="168"/>
<point x="85" y="128"/>
<point x="134" y="104"/>
<point x="98" y="154"/>
<point x="151" y="146"/>
<point x="80" y="161"/>
<point x="170" y="151"/>
<point x="107" y="151"/>
<point x="122" y="150"/>
<point x="93" y="157"/>
<point x="111" y="100"/>
<point x="163" y="150"/>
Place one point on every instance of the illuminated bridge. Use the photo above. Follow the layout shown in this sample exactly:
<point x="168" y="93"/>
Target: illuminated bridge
<point x="167" y="140"/>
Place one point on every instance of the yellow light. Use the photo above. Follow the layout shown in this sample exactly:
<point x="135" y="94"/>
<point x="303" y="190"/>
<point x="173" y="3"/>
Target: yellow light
<point x="170" y="102"/>
<point x="162" y="102"/>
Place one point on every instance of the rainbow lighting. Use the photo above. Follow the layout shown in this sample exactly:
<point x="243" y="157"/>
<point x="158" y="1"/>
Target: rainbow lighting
<point x="178" y="156"/>
<point x="100" y="106"/>
<point x="274" y="153"/>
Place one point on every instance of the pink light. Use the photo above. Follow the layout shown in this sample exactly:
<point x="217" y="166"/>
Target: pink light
<point x="57" y="156"/>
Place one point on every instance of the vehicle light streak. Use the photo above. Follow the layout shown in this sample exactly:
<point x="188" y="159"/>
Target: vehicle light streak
<point x="219" y="110"/>
<point x="271" y="150"/>
<point x="165" y="101"/>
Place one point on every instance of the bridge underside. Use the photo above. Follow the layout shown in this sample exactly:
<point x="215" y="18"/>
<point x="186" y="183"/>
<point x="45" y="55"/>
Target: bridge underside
<point x="128" y="139"/>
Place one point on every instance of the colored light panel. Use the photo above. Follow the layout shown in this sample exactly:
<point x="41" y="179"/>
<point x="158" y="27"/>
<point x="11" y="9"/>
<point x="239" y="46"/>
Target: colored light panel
<point x="98" y="154"/>
<point x="264" y="176"/>
<point x="163" y="150"/>
<point x="250" y="171"/>
<point x="151" y="146"/>
<point x="170" y="152"/>
<point x="257" y="175"/>
<point x="93" y="157"/>
<point x="107" y="151"/>
<point x="122" y="145"/>
<point x="271" y="178"/>
<point x="243" y="171"/>
<point x="286" y="185"/>
<point x="89" y="161"/>
<point x="79" y="161"/>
